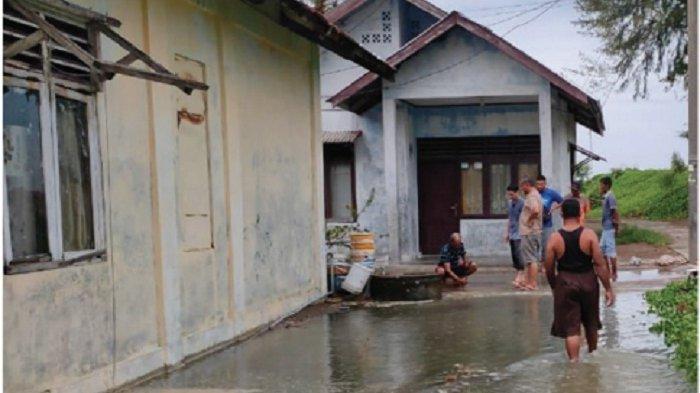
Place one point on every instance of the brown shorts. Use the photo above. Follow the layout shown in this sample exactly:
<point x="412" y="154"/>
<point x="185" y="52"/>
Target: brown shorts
<point x="576" y="303"/>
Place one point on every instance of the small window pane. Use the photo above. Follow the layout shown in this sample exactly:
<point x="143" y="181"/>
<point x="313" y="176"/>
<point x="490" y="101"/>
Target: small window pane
<point x="472" y="189"/>
<point x="24" y="174"/>
<point x="529" y="170"/>
<point x="500" y="178"/>
<point x="74" y="172"/>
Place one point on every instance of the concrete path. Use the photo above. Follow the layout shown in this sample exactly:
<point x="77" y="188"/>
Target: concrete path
<point x="676" y="230"/>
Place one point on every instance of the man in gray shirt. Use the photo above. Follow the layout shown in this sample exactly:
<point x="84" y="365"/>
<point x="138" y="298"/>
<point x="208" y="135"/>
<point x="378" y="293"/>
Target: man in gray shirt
<point x="515" y="207"/>
<point x="611" y="221"/>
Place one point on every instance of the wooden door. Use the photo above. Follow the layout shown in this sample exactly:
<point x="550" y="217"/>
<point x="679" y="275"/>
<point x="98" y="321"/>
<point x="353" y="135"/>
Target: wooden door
<point x="438" y="199"/>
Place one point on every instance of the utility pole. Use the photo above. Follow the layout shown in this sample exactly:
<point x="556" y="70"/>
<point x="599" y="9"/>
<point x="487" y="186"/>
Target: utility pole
<point x="693" y="131"/>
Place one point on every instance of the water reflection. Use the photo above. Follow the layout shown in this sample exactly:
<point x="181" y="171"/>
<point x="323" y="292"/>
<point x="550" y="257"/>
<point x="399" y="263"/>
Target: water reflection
<point x="490" y="344"/>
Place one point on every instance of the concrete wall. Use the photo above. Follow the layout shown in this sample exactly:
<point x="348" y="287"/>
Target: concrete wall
<point x="156" y="300"/>
<point x="474" y="120"/>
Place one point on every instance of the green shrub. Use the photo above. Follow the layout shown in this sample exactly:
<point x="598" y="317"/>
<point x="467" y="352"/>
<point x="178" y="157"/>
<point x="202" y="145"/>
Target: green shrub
<point x="633" y="234"/>
<point x="654" y="194"/>
<point x="677" y="306"/>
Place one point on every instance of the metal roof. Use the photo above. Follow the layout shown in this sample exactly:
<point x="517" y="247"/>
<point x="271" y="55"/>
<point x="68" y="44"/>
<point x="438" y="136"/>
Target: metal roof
<point x="365" y="92"/>
<point x="341" y="136"/>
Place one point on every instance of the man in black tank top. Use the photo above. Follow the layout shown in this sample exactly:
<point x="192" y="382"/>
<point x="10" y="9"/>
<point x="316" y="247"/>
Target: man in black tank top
<point x="574" y="281"/>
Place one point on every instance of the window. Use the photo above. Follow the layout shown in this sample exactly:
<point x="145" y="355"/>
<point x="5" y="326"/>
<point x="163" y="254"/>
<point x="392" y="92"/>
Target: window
<point x="483" y="183"/>
<point x="499" y="179"/>
<point x="52" y="169"/>
<point x="487" y="166"/>
<point x="339" y="168"/>
<point x="472" y="188"/>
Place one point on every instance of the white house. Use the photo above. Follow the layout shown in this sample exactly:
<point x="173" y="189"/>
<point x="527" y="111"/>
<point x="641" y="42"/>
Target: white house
<point x="467" y="115"/>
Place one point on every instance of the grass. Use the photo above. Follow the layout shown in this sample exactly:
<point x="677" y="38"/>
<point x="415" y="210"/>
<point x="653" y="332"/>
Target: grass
<point x="653" y="194"/>
<point x="677" y="306"/>
<point x="629" y="234"/>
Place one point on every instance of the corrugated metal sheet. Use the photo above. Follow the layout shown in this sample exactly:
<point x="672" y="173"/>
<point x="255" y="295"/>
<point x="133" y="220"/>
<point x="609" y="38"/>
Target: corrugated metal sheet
<point x="341" y="136"/>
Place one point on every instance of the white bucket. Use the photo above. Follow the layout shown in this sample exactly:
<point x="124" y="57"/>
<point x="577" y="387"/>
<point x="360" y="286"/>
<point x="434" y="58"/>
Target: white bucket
<point x="357" y="278"/>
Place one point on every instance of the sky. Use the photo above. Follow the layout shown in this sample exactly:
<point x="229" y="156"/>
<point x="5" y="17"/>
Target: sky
<point x="640" y="133"/>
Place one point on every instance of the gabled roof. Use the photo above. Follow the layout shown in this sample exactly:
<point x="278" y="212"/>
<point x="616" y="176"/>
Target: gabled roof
<point x="347" y="7"/>
<point x="366" y="90"/>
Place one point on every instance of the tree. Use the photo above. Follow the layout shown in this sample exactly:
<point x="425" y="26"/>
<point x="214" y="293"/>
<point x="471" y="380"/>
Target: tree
<point x="582" y="172"/>
<point x="640" y="38"/>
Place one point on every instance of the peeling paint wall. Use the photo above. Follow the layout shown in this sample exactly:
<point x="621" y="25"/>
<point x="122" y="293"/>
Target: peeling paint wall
<point x="185" y="270"/>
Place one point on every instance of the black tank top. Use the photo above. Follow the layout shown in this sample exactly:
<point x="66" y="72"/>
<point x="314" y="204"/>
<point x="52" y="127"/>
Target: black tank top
<point x="574" y="259"/>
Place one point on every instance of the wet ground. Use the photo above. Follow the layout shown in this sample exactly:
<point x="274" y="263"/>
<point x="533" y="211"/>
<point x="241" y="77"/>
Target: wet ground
<point x="486" y="338"/>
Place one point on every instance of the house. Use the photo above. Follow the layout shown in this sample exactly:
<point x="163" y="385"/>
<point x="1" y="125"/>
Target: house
<point x="467" y="114"/>
<point x="158" y="154"/>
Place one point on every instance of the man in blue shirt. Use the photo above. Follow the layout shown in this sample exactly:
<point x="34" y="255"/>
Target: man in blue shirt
<point x="550" y="200"/>
<point x="515" y="207"/>
<point x="611" y="221"/>
<point x="454" y="263"/>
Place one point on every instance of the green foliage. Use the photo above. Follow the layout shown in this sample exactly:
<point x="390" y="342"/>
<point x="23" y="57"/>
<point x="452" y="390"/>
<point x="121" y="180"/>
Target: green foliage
<point x="654" y="194"/>
<point x="583" y="173"/>
<point x="677" y="163"/>
<point x="639" y="38"/>
<point x="677" y="307"/>
<point x="629" y="234"/>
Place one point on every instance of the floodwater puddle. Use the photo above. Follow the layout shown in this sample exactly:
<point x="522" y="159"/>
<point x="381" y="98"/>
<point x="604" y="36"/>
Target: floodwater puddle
<point x="480" y="344"/>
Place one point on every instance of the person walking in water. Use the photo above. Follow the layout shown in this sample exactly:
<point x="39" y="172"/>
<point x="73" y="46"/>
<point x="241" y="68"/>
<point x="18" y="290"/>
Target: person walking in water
<point x="530" y="228"/>
<point x="515" y="207"/>
<point x="611" y="224"/>
<point x="574" y="281"/>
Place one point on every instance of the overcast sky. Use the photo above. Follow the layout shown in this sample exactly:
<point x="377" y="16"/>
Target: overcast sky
<point x="641" y="133"/>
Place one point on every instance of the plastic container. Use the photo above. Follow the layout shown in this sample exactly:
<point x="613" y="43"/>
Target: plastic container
<point x="357" y="278"/>
<point x="361" y="246"/>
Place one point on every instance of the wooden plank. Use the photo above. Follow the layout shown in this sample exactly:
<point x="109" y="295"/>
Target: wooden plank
<point x="53" y="33"/>
<point x="133" y="50"/>
<point x="186" y="85"/>
<point x="128" y="59"/>
<point x="20" y="46"/>
<point x="65" y="7"/>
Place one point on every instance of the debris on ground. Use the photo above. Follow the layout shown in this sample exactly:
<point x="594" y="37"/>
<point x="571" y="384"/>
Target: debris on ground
<point x="668" y="260"/>
<point x="635" y="261"/>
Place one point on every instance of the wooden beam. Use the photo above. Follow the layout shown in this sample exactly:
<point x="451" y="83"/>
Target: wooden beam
<point x="68" y="8"/>
<point x="128" y="59"/>
<point x="186" y="85"/>
<point x="25" y="43"/>
<point x="53" y="33"/>
<point x="133" y="50"/>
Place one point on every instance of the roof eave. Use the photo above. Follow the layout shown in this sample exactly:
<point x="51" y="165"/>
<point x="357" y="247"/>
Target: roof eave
<point x="309" y="23"/>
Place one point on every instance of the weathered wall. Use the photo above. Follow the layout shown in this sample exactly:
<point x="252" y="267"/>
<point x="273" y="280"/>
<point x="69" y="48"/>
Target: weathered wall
<point x="369" y="176"/>
<point x="474" y="120"/>
<point x="161" y="295"/>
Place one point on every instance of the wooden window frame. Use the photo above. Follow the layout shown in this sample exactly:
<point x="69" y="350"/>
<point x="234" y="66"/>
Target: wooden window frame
<point x="49" y="89"/>
<point x="487" y="160"/>
<point x="348" y="151"/>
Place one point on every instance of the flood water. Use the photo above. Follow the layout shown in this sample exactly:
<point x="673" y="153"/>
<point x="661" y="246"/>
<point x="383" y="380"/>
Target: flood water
<point x="480" y="344"/>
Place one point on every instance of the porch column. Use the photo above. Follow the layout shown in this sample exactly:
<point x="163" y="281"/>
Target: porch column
<point x="391" y="176"/>
<point x="546" y="132"/>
